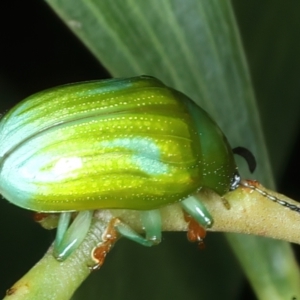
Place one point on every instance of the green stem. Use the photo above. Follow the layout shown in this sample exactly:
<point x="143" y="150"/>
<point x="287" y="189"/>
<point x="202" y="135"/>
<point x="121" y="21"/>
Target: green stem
<point x="249" y="213"/>
<point x="50" y="279"/>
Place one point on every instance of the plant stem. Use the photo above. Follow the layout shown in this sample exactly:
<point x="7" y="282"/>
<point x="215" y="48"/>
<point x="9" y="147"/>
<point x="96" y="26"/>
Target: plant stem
<point x="249" y="213"/>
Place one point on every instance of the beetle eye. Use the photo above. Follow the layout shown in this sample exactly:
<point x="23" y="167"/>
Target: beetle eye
<point x="247" y="155"/>
<point x="235" y="181"/>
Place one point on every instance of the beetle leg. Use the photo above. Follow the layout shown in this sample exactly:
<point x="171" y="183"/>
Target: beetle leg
<point x="151" y="221"/>
<point x="193" y="206"/>
<point x="63" y="224"/>
<point x="108" y="240"/>
<point x="39" y="217"/>
<point x="196" y="233"/>
<point x="47" y="220"/>
<point x="198" y="219"/>
<point x="68" y="239"/>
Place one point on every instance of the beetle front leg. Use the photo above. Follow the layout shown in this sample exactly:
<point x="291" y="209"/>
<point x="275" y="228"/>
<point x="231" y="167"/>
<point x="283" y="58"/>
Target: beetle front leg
<point x="198" y="219"/>
<point x="193" y="206"/>
<point x="151" y="221"/>
<point x="196" y="232"/>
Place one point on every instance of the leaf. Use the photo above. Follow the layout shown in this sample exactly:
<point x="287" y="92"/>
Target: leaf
<point x="193" y="47"/>
<point x="268" y="33"/>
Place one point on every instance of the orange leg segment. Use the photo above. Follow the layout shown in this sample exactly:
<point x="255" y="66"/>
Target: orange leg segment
<point x="196" y="233"/>
<point x="108" y="240"/>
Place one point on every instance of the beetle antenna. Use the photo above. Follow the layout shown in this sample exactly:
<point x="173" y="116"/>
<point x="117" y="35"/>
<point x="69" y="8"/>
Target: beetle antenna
<point x="253" y="187"/>
<point x="247" y="155"/>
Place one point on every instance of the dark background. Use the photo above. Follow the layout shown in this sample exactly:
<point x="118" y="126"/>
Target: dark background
<point x="37" y="51"/>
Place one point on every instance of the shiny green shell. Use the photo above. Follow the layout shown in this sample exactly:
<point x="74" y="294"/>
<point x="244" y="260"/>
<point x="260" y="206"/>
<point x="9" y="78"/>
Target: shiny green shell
<point x="120" y="143"/>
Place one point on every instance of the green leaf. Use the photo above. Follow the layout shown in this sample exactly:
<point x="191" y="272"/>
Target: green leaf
<point x="268" y="30"/>
<point x="274" y="278"/>
<point x="194" y="47"/>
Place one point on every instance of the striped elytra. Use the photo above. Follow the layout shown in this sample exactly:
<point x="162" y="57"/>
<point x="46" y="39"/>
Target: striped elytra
<point x="119" y="143"/>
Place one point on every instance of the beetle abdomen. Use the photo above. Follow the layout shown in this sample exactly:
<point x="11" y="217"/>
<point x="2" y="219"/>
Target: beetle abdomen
<point x="128" y="143"/>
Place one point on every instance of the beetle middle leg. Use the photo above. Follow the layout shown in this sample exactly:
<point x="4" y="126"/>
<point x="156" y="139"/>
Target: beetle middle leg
<point x="108" y="240"/>
<point x="151" y="221"/>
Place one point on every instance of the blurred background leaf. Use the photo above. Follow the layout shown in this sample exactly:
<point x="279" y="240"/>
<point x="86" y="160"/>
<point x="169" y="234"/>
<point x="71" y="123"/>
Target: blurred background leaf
<point x="40" y="53"/>
<point x="269" y="32"/>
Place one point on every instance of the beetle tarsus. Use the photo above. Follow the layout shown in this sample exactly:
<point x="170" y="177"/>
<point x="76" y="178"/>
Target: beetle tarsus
<point x="196" y="232"/>
<point x="101" y="250"/>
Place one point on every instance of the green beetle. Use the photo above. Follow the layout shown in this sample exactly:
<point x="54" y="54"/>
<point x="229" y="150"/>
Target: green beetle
<point x="120" y="143"/>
